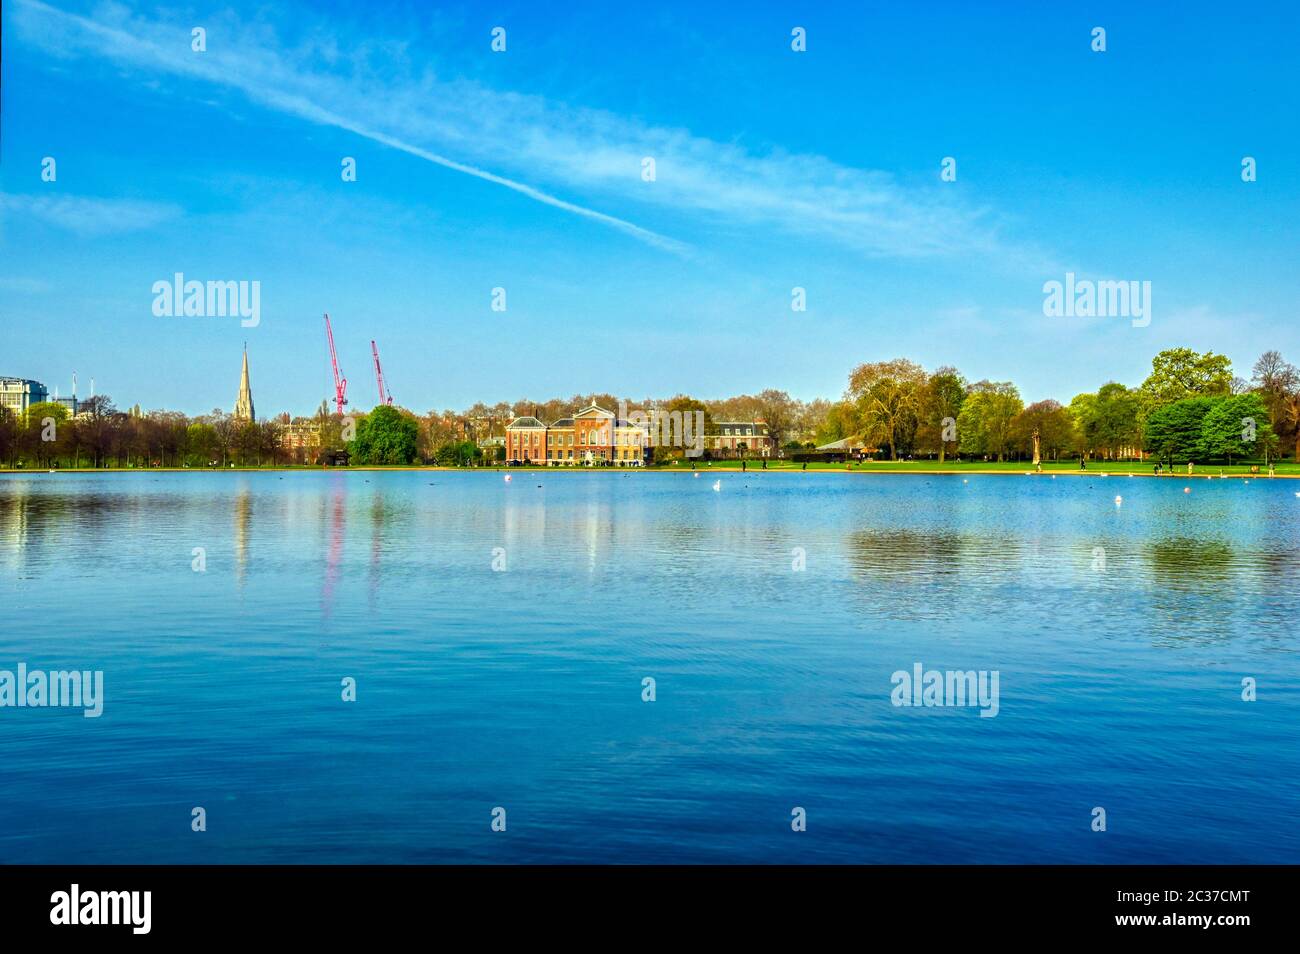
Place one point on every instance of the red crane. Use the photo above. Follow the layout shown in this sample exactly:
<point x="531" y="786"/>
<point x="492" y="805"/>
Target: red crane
<point x="379" y="375"/>
<point x="340" y="382"/>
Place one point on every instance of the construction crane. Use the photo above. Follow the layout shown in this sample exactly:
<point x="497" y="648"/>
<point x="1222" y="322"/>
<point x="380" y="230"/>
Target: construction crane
<point x="384" y="398"/>
<point x="340" y="382"/>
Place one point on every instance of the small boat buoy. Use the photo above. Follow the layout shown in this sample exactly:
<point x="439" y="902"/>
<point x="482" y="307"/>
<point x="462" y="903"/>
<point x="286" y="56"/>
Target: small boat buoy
<point x="1187" y="490"/>
<point x="507" y="478"/>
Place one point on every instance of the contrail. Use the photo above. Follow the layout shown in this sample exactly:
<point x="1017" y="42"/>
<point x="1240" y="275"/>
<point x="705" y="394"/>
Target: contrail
<point x="125" y="46"/>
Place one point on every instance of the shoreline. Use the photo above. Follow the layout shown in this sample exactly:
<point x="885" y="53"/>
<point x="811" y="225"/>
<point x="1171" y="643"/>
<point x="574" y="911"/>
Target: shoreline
<point x="726" y="467"/>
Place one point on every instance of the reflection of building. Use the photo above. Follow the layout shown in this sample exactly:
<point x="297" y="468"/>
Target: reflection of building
<point x="735" y="437"/>
<point x="18" y="394"/>
<point x="593" y="437"/>
<point x="244" y="403"/>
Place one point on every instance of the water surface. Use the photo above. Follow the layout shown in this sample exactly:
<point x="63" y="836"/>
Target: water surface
<point x="1121" y="635"/>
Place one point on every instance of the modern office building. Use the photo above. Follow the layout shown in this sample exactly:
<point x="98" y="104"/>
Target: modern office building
<point x="18" y="394"/>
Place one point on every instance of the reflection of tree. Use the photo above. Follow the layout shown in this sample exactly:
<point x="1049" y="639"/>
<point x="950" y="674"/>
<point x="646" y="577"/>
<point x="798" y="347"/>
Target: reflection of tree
<point x="1185" y="563"/>
<point x="930" y="574"/>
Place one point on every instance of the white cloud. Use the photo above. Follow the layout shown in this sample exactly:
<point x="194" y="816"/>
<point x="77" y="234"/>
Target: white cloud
<point x="87" y="216"/>
<point x="593" y="153"/>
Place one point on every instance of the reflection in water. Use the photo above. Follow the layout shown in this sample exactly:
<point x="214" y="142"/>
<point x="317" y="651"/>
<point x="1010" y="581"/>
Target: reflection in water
<point x="334" y="552"/>
<point x="937" y="575"/>
<point x="1186" y="563"/>
<point x="243" y="522"/>
<point x="764" y="673"/>
<point x="378" y="516"/>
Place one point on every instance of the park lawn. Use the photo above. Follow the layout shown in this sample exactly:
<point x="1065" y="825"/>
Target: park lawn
<point x="1287" y="468"/>
<point x="1282" y="468"/>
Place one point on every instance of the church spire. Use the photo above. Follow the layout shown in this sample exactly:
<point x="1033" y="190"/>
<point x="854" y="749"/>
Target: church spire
<point x="244" y="403"/>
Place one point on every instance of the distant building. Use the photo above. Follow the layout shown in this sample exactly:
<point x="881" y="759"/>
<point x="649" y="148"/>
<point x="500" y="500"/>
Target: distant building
<point x="69" y="402"/>
<point x="244" y="403"/>
<point x="526" y="440"/>
<point x="18" y="394"/>
<point x="732" y="438"/>
<point x="848" y="447"/>
<point x="302" y="439"/>
<point x="559" y="442"/>
<point x="593" y="437"/>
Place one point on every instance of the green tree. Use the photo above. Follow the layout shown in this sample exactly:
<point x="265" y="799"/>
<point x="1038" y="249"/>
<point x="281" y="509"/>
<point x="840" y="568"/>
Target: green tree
<point x="985" y="425"/>
<point x="839" y="422"/>
<point x="1174" y="431"/>
<point x="201" y="444"/>
<point x="1179" y="373"/>
<point x="457" y="454"/>
<point x="1236" y="426"/>
<point x="1117" y="419"/>
<point x="47" y="431"/>
<point x="385" y="436"/>
<point x="941" y="402"/>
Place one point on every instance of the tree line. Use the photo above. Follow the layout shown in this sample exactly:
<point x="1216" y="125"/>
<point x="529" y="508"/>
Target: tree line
<point x="1190" y="407"/>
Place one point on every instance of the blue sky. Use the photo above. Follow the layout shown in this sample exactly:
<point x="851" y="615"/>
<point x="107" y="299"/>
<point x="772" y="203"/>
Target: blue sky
<point x="522" y="170"/>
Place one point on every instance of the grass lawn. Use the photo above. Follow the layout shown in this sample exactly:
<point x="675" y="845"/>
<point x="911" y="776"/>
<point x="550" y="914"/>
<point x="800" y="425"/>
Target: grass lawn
<point x="1282" y="468"/>
<point x="1286" y="468"/>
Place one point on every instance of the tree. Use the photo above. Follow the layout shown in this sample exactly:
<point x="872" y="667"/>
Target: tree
<point x="687" y="407"/>
<point x="385" y="436"/>
<point x="1116" y="420"/>
<point x="1236" y="426"/>
<point x="8" y="436"/>
<point x="201" y="444"/>
<point x="47" y="431"/>
<point x="1179" y="373"/>
<point x="941" y="401"/>
<point x="839" y="422"/>
<point x="98" y="417"/>
<point x="1050" y="422"/>
<point x="1174" y="430"/>
<point x="1275" y="379"/>
<point x="1291" y="413"/>
<point x="778" y="411"/>
<point x="984" y="425"/>
<point x="457" y="454"/>
<point x="887" y="395"/>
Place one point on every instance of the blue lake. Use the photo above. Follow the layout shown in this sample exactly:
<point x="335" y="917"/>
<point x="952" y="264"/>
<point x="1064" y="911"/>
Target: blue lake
<point x="1121" y="635"/>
